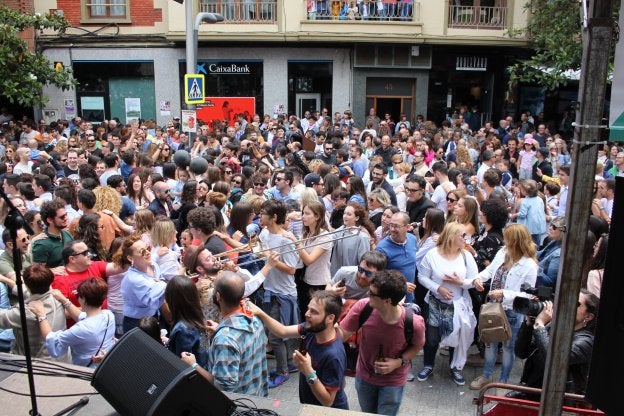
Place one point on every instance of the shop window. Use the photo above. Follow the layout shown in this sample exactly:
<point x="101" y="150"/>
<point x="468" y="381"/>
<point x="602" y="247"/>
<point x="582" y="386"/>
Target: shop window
<point x="105" y="10"/>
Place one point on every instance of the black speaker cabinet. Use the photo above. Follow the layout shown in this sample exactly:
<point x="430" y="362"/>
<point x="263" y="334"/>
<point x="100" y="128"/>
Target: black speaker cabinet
<point x="140" y="377"/>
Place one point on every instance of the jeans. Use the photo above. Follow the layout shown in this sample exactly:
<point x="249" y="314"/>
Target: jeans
<point x="405" y="11"/>
<point x="439" y="324"/>
<point x="491" y="351"/>
<point x="282" y="349"/>
<point x="383" y="400"/>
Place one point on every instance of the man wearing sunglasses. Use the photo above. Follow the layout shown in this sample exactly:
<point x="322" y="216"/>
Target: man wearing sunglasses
<point x="352" y="282"/>
<point x="79" y="266"/>
<point x="7" y="267"/>
<point x="47" y="246"/>
<point x="161" y="204"/>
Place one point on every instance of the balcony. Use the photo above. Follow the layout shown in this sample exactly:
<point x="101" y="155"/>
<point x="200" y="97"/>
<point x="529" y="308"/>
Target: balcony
<point x="477" y="17"/>
<point x="242" y="11"/>
<point x="362" y="10"/>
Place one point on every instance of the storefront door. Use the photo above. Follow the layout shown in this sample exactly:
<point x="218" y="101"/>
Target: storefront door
<point x="307" y="102"/>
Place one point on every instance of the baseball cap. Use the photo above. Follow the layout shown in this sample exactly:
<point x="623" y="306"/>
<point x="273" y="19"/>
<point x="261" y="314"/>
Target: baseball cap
<point x="312" y="179"/>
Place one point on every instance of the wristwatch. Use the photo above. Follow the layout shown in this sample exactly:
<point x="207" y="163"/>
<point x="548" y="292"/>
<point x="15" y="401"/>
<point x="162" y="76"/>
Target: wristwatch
<point x="404" y="362"/>
<point x="312" y="378"/>
<point x="41" y="318"/>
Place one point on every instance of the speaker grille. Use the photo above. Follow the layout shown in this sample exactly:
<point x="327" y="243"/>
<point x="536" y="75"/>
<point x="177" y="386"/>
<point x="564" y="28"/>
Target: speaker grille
<point x="132" y="389"/>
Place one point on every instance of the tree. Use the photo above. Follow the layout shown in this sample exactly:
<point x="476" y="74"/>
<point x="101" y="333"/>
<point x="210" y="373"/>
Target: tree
<point x="554" y="30"/>
<point x="23" y="73"/>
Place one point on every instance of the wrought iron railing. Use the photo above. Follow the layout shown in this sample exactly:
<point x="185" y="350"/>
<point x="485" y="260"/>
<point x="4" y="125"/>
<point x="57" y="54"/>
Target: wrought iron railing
<point x="242" y="11"/>
<point x="374" y="10"/>
<point x="478" y="17"/>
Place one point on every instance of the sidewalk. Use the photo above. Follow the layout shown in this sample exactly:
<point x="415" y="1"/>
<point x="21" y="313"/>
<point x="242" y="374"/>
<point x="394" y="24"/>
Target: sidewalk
<point x="438" y="396"/>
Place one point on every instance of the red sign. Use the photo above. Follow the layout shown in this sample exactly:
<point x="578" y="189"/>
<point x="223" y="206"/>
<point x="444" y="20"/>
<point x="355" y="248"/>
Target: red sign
<point x="226" y="109"/>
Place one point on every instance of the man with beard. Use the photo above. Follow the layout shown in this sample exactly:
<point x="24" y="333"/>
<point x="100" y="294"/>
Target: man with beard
<point x="237" y="354"/>
<point x="47" y="246"/>
<point x="378" y="176"/>
<point x="321" y="358"/>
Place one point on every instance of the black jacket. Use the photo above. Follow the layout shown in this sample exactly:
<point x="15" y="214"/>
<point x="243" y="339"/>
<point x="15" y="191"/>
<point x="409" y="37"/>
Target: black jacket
<point x="418" y="209"/>
<point x="532" y="345"/>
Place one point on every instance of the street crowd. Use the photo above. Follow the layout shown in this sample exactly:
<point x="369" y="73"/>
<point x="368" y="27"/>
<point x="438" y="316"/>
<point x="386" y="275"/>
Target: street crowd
<point x="341" y="247"/>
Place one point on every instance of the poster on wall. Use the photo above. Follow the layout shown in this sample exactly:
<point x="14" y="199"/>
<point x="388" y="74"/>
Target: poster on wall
<point x="189" y="121"/>
<point x="92" y="109"/>
<point x="70" y="109"/>
<point x="226" y="109"/>
<point x="133" y="110"/>
<point x="50" y="115"/>
<point x="165" y="107"/>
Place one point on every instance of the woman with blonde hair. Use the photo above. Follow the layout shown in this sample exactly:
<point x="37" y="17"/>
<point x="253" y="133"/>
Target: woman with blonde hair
<point x="166" y="252"/>
<point x="466" y="212"/>
<point x="513" y="266"/>
<point x="448" y="271"/>
<point x="378" y="200"/>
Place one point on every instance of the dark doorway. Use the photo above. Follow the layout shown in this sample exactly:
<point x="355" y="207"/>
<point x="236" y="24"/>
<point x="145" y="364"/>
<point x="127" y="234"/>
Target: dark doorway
<point x="389" y="105"/>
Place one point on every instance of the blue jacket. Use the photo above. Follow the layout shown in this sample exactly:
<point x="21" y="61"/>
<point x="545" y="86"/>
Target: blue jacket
<point x="548" y="264"/>
<point x="531" y="214"/>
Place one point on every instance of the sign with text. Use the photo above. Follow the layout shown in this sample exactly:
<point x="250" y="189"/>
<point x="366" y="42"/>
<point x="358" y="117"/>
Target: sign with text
<point x="189" y="121"/>
<point x="226" y="109"/>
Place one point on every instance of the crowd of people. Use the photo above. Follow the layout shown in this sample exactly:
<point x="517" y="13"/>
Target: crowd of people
<point x="309" y="238"/>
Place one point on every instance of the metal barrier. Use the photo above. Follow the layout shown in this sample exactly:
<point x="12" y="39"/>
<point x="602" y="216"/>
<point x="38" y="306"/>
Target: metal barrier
<point x="242" y="11"/>
<point x="477" y="17"/>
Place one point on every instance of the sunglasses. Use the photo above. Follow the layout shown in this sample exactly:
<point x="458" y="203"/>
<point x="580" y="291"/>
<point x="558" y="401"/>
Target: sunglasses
<point x="144" y="251"/>
<point x="236" y="182"/>
<point x="228" y="172"/>
<point x="450" y="199"/>
<point x="279" y="179"/>
<point x="258" y="184"/>
<point x="365" y="272"/>
<point x="25" y="239"/>
<point x="82" y="253"/>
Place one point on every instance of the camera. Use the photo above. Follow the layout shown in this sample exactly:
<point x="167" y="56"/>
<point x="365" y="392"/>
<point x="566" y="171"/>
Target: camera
<point x="532" y="307"/>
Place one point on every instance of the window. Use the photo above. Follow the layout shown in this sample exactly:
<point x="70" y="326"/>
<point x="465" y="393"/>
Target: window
<point x="105" y="10"/>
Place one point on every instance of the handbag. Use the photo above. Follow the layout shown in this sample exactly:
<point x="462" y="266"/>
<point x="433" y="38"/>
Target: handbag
<point x="493" y="323"/>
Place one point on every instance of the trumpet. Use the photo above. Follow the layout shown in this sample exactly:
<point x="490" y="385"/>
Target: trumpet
<point x="255" y="248"/>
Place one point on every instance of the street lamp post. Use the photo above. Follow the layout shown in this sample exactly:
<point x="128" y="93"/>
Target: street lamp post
<point x="192" y="29"/>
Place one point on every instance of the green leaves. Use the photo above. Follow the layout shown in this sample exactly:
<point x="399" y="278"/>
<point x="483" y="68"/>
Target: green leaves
<point x="23" y="73"/>
<point x="554" y="30"/>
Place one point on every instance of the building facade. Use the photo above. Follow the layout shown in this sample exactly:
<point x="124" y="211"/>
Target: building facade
<point x="412" y="57"/>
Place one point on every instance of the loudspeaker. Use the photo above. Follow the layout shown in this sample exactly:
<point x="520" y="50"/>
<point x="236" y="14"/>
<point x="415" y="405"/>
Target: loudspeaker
<point x="139" y="377"/>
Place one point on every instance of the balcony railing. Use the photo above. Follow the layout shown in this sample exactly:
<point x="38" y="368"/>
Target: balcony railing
<point x="242" y="11"/>
<point x="479" y="17"/>
<point x="374" y="10"/>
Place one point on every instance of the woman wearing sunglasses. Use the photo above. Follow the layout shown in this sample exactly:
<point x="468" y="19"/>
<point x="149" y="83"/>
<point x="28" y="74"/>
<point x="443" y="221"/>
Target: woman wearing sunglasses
<point x="142" y="289"/>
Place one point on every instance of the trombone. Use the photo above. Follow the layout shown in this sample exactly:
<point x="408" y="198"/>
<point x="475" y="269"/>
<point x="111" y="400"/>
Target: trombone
<point x="255" y="247"/>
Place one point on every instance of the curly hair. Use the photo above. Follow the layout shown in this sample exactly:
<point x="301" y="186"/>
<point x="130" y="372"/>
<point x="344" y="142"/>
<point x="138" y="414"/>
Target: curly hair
<point x="107" y="198"/>
<point x="362" y="214"/>
<point x="88" y="231"/>
<point x="495" y="213"/>
<point x="203" y="219"/>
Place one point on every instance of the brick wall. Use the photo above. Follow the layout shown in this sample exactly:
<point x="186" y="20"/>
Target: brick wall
<point x="142" y="12"/>
<point x="24" y="6"/>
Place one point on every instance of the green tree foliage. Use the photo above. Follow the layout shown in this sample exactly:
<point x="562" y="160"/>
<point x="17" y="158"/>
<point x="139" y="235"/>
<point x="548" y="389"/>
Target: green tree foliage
<point x="23" y="72"/>
<point x="554" y="29"/>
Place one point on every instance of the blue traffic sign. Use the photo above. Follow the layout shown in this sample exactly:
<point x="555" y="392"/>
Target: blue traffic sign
<point x="194" y="89"/>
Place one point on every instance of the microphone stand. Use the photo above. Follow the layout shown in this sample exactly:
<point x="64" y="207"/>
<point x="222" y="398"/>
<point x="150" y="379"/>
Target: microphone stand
<point x="13" y="222"/>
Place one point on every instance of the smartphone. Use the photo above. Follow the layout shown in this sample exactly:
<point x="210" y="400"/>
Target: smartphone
<point x="342" y="283"/>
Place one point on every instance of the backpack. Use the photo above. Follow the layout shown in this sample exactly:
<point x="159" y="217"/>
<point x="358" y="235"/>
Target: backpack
<point x="352" y="346"/>
<point x="493" y="324"/>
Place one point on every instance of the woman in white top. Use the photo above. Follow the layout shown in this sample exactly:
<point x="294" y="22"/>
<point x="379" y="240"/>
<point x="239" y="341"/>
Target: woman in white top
<point x="448" y="271"/>
<point x="166" y="252"/>
<point x="514" y="265"/>
<point x="24" y="164"/>
<point x="316" y="259"/>
<point x="94" y="331"/>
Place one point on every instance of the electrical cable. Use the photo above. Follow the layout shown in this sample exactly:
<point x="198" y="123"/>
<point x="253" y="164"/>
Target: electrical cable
<point x="49" y="395"/>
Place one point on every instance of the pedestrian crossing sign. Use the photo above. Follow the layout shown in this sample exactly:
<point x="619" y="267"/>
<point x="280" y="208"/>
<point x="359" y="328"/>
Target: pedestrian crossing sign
<point x="194" y="88"/>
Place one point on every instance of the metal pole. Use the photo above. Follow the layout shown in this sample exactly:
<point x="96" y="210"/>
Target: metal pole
<point x="191" y="57"/>
<point x="597" y="37"/>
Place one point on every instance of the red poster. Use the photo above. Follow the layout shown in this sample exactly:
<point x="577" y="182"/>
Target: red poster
<point x="226" y="109"/>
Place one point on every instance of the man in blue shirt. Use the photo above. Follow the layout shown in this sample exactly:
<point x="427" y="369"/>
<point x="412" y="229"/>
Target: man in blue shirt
<point x="400" y="248"/>
<point x="321" y="358"/>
